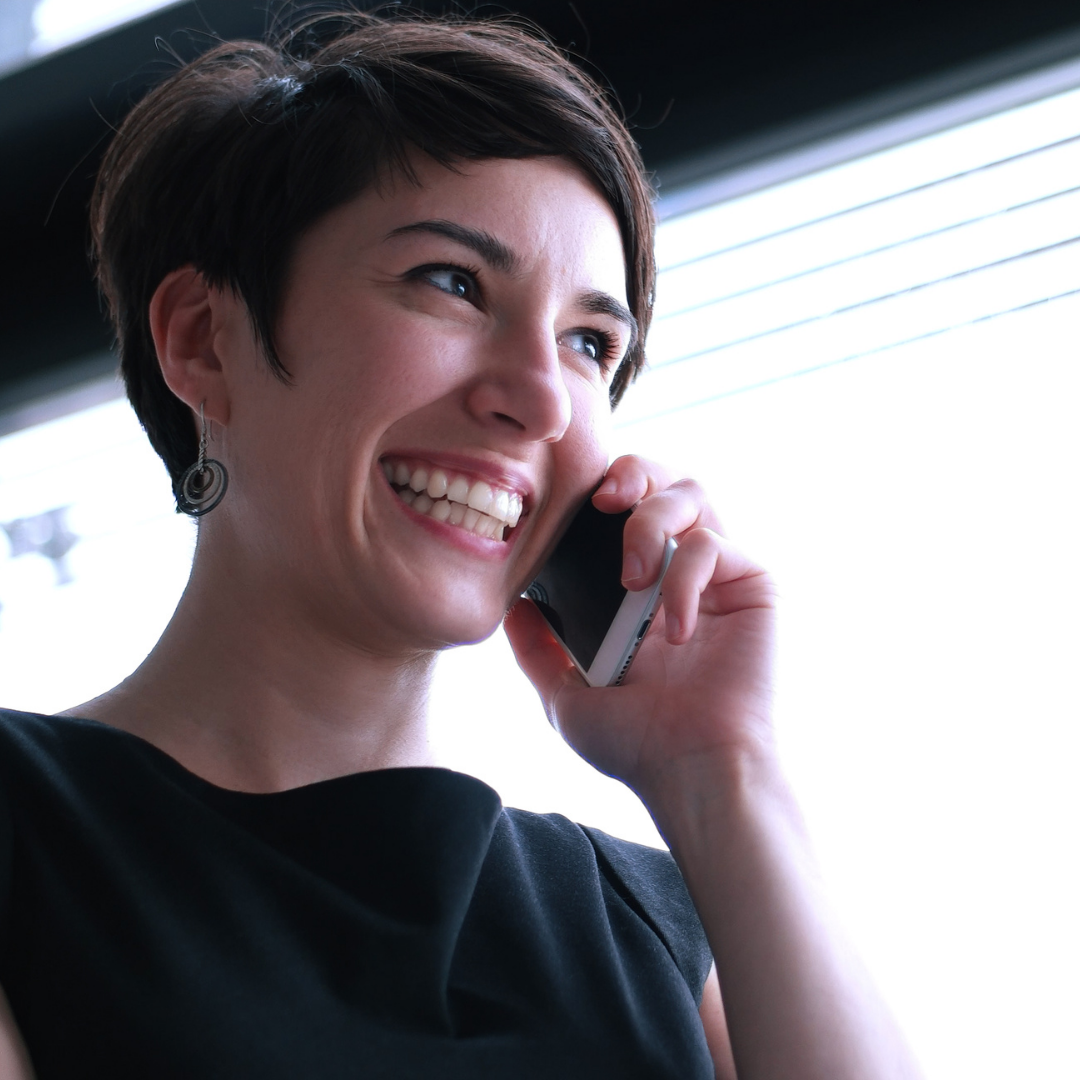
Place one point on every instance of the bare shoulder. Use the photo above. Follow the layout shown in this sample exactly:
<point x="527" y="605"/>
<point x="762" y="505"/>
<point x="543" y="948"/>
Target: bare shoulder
<point x="14" y="1060"/>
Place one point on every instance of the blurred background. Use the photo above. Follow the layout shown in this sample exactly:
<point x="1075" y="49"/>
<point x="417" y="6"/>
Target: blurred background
<point x="865" y="347"/>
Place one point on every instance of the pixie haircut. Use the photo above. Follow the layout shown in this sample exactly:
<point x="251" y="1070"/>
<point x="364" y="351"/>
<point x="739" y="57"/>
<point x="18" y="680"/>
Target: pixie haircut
<point x="225" y="164"/>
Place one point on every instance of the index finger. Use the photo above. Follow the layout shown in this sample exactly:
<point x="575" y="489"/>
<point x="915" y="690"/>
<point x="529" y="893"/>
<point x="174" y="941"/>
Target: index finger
<point x="677" y="509"/>
<point x="630" y="479"/>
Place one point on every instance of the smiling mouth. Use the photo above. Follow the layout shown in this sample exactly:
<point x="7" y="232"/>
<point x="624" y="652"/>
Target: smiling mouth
<point x="473" y="505"/>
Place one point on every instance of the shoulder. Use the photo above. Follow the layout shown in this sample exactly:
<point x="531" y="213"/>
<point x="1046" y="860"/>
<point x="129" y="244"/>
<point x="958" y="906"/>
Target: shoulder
<point x="36" y="755"/>
<point x="56" y="769"/>
<point x="34" y="735"/>
<point x="642" y="873"/>
<point x="28" y="742"/>
<point x="26" y="762"/>
<point x="23" y="728"/>
<point x="46" y="747"/>
<point x="642" y="879"/>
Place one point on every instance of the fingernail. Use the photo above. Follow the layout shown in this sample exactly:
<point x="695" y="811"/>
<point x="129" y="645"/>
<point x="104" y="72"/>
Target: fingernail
<point x="608" y="487"/>
<point x="632" y="567"/>
<point x="674" y="626"/>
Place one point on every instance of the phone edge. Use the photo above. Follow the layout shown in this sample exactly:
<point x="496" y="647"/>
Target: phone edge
<point x="622" y="640"/>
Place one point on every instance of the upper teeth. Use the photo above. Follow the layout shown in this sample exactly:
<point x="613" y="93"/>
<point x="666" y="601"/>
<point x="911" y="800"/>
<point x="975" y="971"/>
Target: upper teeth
<point x="455" y="498"/>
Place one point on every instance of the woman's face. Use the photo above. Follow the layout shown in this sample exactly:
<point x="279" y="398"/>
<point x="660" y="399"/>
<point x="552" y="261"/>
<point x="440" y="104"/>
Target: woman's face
<point x="458" y="336"/>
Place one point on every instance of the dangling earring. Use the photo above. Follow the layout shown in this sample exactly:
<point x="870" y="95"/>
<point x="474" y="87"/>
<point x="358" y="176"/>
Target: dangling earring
<point x="203" y="485"/>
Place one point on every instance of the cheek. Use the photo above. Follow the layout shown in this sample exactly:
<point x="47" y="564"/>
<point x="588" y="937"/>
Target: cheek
<point x="373" y="371"/>
<point x="590" y="432"/>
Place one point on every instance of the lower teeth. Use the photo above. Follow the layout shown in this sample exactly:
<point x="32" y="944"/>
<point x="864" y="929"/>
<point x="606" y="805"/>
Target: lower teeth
<point x="455" y="513"/>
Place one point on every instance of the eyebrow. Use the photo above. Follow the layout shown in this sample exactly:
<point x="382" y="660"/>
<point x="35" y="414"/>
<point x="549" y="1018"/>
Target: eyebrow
<point x="600" y="303"/>
<point x="494" y="252"/>
<point x="491" y="250"/>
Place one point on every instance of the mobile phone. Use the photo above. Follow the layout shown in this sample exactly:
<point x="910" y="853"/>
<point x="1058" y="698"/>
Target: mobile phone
<point x="599" y="624"/>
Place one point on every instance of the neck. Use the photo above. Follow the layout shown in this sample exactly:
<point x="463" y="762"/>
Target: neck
<point x="246" y="693"/>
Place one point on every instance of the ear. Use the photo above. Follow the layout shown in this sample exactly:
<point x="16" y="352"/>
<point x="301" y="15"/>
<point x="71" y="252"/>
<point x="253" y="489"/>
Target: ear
<point x="193" y="329"/>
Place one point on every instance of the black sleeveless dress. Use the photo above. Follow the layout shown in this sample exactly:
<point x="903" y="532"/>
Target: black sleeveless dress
<point x="398" y="923"/>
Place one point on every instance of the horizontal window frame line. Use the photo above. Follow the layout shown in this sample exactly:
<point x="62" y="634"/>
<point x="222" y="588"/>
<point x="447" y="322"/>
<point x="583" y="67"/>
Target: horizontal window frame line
<point x="866" y="254"/>
<point x="845" y="359"/>
<point x="871" y="202"/>
<point x="868" y="303"/>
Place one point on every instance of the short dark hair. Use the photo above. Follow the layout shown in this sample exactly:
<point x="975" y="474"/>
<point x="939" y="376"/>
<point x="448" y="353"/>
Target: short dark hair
<point x="225" y="164"/>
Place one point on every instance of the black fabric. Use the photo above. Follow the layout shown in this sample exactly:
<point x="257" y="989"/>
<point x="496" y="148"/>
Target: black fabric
<point x="388" y="924"/>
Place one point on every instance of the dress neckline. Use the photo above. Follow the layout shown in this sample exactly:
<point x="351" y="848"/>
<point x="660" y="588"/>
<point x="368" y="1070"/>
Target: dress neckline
<point x="164" y="760"/>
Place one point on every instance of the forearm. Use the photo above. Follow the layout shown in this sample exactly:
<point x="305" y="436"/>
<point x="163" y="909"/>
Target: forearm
<point x="798" y="1000"/>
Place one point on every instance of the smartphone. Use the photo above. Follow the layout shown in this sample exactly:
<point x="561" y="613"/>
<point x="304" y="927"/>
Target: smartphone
<point x="599" y="624"/>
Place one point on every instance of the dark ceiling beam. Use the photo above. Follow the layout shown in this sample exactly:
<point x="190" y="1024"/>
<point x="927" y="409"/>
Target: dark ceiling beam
<point x="694" y="77"/>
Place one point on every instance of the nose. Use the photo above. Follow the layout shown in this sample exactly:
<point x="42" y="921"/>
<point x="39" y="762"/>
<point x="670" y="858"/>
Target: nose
<point x="523" y="384"/>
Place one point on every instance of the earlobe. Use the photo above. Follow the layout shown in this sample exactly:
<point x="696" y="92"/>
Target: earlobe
<point x="185" y="322"/>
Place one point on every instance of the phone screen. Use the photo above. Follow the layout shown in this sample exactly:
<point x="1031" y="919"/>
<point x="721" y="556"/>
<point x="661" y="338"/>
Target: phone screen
<point x="579" y="589"/>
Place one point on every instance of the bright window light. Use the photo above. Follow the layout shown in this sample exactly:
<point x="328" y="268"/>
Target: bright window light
<point x="874" y="370"/>
<point x="63" y="22"/>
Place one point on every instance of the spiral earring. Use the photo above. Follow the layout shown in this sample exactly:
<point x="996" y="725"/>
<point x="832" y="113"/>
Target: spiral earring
<point x="203" y="485"/>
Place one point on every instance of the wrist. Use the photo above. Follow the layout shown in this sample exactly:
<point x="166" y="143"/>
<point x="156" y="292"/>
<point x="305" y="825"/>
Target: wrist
<point x="719" y="794"/>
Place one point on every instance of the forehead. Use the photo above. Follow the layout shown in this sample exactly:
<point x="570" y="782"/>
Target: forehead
<point x="543" y="209"/>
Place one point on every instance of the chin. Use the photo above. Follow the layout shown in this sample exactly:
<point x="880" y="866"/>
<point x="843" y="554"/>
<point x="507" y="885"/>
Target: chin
<point x="449" y="621"/>
<point x="470" y="631"/>
<point x="473" y="639"/>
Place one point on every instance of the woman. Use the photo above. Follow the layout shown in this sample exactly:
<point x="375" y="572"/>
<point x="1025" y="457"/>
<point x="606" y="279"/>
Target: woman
<point x="417" y="255"/>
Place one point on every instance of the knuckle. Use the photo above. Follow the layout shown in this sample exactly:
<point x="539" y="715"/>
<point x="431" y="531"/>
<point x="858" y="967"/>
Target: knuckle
<point x="624" y="463"/>
<point x="636" y="528"/>
<point x="691" y="487"/>
<point x="646" y="520"/>
<point x="701" y="539"/>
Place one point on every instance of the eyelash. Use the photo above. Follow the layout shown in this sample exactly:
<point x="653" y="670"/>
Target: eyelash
<point x="607" y="343"/>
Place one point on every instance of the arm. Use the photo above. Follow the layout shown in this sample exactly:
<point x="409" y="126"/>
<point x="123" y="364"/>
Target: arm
<point x="690" y="732"/>
<point x="714" y="1023"/>
<point x="798" y="1000"/>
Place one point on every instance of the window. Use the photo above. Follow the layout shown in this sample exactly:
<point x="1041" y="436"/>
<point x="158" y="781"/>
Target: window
<point x="874" y="370"/>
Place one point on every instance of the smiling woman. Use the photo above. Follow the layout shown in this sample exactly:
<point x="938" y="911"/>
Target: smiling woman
<point x="376" y="293"/>
<point x="463" y="361"/>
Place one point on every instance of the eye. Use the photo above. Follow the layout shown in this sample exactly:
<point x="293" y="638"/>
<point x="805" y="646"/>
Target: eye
<point x="454" y="280"/>
<point x="597" y="345"/>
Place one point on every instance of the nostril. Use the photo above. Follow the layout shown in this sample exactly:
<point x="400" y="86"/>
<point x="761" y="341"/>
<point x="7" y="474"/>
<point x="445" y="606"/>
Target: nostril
<point x="510" y="420"/>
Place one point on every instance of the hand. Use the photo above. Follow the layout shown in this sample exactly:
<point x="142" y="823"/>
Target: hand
<point x="699" y="691"/>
